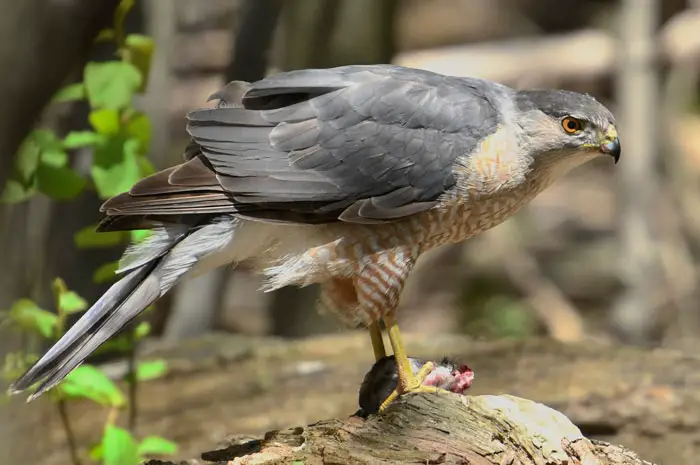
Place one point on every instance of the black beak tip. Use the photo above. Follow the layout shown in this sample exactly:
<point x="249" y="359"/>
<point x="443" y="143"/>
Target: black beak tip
<point x="613" y="148"/>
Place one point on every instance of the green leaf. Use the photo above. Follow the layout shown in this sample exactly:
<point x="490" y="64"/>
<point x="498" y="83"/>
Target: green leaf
<point x="67" y="301"/>
<point x="87" y="381"/>
<point x="15" y="192"/>
<point x="27" y="159"/>
<point x="140" y="235"/>
<point x="79" y="139"/>
<point x="119" y="447"/>
<point x="153" y="369"/>
<point x="54" y="158"/>
<point x="142" y="330"/>
<point x="111" y="84"/>
<point x="89" y="238"/>
<point x="146" y="167"/>
<point x="70" y="302"/>
<point x="105" y="273"/>
<point x="118" y="177"/>
<point x="139" y="127"/>
<point x="29" y="316"/>
<point x="46" y="140"/>
<point x="96" y="452"/>
<point x="59" y="183"/>
<point x="155" y="445"/>
<point x="69" y="93"/>
<point x="105" y="35"/>
<point x="105" y="121"/>
<point x="111" y="152"/>
<point x="140" y="52"/>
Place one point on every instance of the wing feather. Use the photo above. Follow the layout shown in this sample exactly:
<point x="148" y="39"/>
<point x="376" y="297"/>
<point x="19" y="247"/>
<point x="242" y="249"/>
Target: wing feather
<point x="357" y="144"/>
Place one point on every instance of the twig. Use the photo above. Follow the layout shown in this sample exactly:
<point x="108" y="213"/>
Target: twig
<point x="70" y="437"/>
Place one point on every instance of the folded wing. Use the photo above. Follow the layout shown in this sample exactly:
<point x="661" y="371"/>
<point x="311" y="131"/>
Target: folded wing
<point x="357" y="144"/>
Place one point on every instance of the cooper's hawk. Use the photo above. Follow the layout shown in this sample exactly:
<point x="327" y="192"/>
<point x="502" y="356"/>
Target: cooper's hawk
<point x="341" y="177"/>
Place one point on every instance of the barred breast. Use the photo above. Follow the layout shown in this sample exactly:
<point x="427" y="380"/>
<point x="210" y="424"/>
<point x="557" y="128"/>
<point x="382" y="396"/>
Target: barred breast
<point x="307" y="254"/>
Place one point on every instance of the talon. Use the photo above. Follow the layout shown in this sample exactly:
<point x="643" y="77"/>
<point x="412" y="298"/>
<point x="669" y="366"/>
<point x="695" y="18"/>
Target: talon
<point x="380" y="386"/>
<point x="411" y="383"/>
<point x="423" y="373"/>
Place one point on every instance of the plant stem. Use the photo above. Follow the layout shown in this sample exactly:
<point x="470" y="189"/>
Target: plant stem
<point x="133" y="382"/>
<point x="112" y="416"/>
<point x="72" y="445"/>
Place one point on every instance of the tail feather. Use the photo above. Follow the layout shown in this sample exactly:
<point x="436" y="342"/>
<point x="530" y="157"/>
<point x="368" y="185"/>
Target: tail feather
<point x="57" y="356"/>
<point x="125" y="300"/>
<point x="107" y="320"/>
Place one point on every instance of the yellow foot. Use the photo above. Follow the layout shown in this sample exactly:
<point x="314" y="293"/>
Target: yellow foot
<point x="414" y="383"/>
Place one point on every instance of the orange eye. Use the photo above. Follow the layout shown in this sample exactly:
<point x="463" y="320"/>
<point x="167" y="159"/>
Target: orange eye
<point x="571" y="125"/>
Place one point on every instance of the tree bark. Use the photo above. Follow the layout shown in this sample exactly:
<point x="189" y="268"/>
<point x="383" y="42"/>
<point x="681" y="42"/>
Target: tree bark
<point x="434" y="429"/>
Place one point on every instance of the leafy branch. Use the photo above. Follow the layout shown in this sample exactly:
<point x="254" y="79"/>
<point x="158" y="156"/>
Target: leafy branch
<point x="117" y="446"/>
<point x="117" y="142"/>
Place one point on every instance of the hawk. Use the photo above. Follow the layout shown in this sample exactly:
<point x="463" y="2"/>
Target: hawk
<point x="341" y="177"/>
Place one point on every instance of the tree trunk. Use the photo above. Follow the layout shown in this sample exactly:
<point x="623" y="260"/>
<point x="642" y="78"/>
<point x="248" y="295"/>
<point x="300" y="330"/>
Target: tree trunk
<point x="636" y="315"/>
<point x="41" y="44"/>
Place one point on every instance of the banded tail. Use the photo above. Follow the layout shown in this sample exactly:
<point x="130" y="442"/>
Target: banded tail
<point x="151" y="269"/>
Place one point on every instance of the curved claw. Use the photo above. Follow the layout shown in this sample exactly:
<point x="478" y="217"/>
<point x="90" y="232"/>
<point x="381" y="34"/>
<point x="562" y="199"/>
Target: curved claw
<point x="413" y="383"/>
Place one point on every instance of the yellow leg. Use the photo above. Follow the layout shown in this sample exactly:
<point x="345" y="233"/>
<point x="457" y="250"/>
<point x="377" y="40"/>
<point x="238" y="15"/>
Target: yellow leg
<point x="408" y="381"/>
<point x="375" y="333"/>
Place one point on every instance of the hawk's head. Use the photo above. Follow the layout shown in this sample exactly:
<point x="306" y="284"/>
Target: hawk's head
<point x="561" y="125"/>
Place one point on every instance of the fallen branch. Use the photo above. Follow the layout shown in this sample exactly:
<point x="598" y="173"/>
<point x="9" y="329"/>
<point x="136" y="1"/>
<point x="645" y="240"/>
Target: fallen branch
<point x="434" y="429"/>
<point x="539" y="60"/>
<point x="223" y="384"/>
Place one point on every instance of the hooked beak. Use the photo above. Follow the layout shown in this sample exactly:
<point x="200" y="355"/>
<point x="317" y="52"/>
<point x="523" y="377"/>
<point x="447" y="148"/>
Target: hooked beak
<point x="611" y="144"/>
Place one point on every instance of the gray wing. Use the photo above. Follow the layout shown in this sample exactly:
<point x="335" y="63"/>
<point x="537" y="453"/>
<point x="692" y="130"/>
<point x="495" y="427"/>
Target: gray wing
<point x="355" y="144"/>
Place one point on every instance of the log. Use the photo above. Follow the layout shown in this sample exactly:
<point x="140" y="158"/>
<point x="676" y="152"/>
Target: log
<point x="229" y="384"/>
<point x="433" y="429"/>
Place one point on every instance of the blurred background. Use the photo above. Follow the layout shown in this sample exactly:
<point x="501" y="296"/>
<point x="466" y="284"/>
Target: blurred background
<point x="609" y="254"/>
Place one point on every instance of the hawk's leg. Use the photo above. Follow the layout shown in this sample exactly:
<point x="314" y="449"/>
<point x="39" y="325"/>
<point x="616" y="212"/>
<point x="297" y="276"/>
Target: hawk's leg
<point x="375" y="333"/>
<point x="378" y="283"/>
<point x="408" y="381"/>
